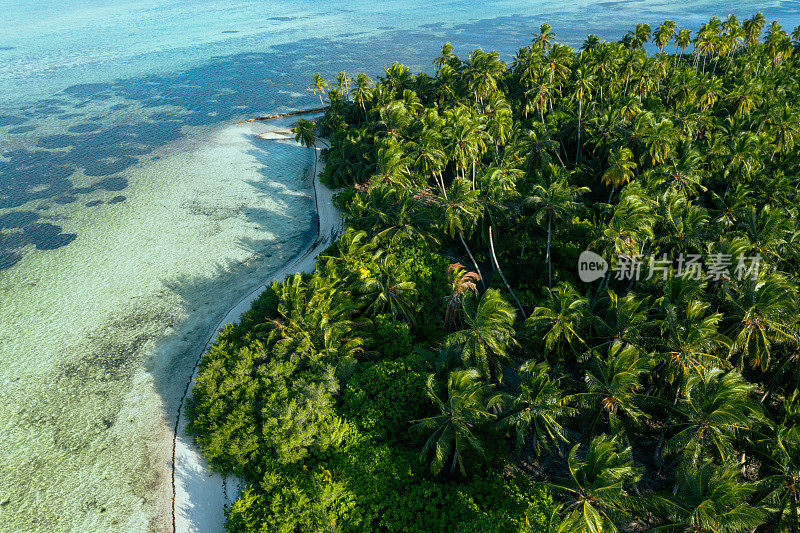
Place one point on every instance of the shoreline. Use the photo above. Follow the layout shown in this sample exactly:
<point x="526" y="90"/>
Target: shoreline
<point x="199" y="497"/>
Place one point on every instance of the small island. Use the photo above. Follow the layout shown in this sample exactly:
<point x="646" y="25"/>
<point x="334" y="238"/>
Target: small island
<point x="566" y="299"/>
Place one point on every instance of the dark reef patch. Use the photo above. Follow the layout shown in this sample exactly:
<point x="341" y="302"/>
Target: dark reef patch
<point x="21" y="129"/>
<point x="62" y="200"/>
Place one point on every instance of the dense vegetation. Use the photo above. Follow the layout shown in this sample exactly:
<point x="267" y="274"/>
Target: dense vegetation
<point x="446" y="369"/>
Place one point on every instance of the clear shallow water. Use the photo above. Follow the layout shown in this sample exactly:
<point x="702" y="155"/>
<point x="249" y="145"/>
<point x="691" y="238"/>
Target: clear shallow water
<point x="132" y="217"/>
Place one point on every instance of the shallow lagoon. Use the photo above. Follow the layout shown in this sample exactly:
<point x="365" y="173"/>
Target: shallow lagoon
<point x="132" y="216"/>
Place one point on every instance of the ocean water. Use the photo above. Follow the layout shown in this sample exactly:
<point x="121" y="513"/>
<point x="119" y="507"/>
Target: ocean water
<point x="133" y="214"/>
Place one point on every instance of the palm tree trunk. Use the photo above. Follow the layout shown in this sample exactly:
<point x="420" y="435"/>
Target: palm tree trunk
<point x="474" y="263"/>
<point x="499" y="271"/>
<point x="440" y="185"/>
<point x="549" y="263"/>
<point x="473" y="174"/>
<point x="453" y="464"/>
<point x="578" y="150"/>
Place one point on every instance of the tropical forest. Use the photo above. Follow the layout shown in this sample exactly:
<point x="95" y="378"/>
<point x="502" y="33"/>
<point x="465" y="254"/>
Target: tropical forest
<point x="450" y="366"/>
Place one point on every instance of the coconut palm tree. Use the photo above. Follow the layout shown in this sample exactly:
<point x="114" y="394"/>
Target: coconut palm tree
<point x="304" y="134"/>
<point x="621" y="319"/>
<point x="760" y="315"/>
<point x="464" y="140"/>
<point x="620" y="169"/>
<point x="460" y="282"/>
<point x="613" y="381"/>
<point x="781" y="453"/>
<point x="499" y="121"/>
<point x="446" y="56"/>
<point x="318" y="85"/>
<point x="555" y="203"/>
<point x="545" y="38"/>
<point x="583" y="84"/>
<point x="362" y="91"/>
<point x="386" y="290"/>
<point x="682" y="40"/>
<point x="482" y="72"/>
<point x="595" y="488"/>
<point x="664" y="34"/>
<point x="691" y="340"/>
<point x="488" y="334"/>
<point x="708" y="499"/>
<point x="462" y="209"/>
<point x="343" y="84"/>
<point x="717" y="406"/>
<point x="428" y="157"/>
<point x="538" y="409"/>
<point x="463" y="406"/>
<point x="559" y="320"/>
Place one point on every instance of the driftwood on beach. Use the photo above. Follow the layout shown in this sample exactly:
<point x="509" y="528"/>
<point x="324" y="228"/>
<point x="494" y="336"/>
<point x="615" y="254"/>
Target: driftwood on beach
<point x="281" y="115"/>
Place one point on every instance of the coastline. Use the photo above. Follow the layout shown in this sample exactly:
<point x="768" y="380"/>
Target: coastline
<point x="200" y="497"/>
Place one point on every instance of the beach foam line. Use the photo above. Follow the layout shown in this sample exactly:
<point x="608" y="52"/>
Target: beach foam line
<point x="199" y="496"/>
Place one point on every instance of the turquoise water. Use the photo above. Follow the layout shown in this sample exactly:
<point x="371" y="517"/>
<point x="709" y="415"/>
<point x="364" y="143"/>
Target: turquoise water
<point x="132" y="215"/>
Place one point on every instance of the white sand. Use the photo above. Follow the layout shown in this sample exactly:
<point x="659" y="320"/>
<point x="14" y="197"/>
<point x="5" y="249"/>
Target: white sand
<point x="200" y="495"/>
<point x="277" y="135"/>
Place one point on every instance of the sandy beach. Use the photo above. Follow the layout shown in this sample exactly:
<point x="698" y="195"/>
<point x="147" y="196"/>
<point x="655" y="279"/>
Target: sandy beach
<point x="201" y="496"/>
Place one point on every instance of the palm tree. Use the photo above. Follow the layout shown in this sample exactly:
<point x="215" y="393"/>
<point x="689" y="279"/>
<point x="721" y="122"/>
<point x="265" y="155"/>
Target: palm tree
<point x="462" y="210"/>
<point x="622" y="319"/>
<point x="460" y="282"/>
<point x="464" y="140"/>
<point x="640" y="36"/>
<point x="482" y="73"/>
<point x="630" y="226"/>
<point x="682" y="41"/>
<point x="304" y="134"/>
<point x="613" y="382"/>
<point x="753" y="28"/>
<point x="595" y="488"/>
<point x="555" y="203"/>
<point x="761" y="314"/>
<point x="385" y="289"/>
<point x="558" y="61"/>
<point x="362" y="90"/>
<point x="664" y="34"/>
<point x="620" y="169"/>
<point x="428" y="157"/>
<point x="488" y="334"/>
<point x="717" y="406"/>
<point x="559" y="320"/>
<point x="446" y="56"/>
<point x="318" y="85"/>
<point x="343" y="83"/>
<point x="708" y="499"/>
<point x="538" y="408"/>
<point x="691" y="339"/>
<point x="782" y="482"/>
<point x="463" y="406"/>
<point x="545" y="38"/>
<point x="499" y="121"/>
<point x="583" y="86"/>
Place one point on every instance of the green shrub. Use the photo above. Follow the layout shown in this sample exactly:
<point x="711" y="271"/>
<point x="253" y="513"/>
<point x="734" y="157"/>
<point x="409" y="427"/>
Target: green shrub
<point x="384" y="397"/>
